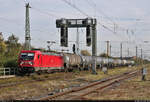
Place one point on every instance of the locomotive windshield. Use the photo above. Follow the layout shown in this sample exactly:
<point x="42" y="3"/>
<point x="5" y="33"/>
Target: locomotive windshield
<point x="27" y="56"/>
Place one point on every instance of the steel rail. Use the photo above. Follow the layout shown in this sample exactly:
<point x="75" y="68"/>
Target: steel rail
<point x="105" y="86"/>
<point x="87" y="86"/>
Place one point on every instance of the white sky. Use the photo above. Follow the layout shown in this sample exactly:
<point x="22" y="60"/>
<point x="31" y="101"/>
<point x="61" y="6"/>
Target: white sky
<point x="133" y="15"/>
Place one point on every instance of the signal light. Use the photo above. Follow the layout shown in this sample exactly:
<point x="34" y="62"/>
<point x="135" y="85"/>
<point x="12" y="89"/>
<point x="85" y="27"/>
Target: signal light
<point x="88" y="35"/>
<point x="74" y="48"/>
<point x="64" y="36"/>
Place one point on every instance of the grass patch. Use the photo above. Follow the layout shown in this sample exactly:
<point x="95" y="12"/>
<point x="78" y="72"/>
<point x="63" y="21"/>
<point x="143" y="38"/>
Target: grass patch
<point x="134" y="89"/>
<point x="57" y="80"/>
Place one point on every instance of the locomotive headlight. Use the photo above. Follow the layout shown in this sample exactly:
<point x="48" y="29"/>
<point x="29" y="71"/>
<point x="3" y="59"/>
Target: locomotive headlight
<point x="21" y="63"/>
<point x="31" y="63"/>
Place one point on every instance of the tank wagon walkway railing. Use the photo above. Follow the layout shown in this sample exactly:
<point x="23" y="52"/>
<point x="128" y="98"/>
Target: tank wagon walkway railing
<point x="7" y="72"/>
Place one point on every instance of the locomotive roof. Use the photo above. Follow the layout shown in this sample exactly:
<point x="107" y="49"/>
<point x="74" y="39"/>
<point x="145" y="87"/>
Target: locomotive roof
<point x="51" y="53"/>
<point x="44" y="53"/>
<point x="30" y="51"/>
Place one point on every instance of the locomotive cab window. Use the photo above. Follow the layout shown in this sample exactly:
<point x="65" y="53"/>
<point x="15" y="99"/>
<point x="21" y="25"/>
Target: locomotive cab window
<point x="27" y="56"/>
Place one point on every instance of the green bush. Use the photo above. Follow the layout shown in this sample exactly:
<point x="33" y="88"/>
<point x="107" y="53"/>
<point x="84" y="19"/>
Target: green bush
<point x="1" y="63"/>
<point x="10" y="63"/>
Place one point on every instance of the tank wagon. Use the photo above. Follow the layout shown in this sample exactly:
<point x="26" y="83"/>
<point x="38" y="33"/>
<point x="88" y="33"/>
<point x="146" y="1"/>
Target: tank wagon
<point x="37" y="61"/>
<point x="71" y="61"/>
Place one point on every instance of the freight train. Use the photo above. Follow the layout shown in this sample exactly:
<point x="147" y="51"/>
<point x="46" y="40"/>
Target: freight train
<point x="37" y="61"/>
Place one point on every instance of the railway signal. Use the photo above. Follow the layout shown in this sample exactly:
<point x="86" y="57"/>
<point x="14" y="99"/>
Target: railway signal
<point x="64" y="24"/>
<point x="88" y="35"/>
<point x="91" y="34"/>
<point x="74" y="48"/>
<point x="64" y="36"/>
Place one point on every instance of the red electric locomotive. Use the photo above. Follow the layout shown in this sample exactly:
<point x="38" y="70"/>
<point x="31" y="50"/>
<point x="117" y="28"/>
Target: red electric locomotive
<point x="35" y="61"/>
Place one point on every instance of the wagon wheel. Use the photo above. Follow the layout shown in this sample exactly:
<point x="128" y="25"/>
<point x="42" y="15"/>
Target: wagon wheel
<point x="28" y="74"/>
<point x="20" y="73"/>
<point x="39" y="72"/>
<point x="83" y="66"/>
<point x="33" y="70"/>
<point x="66" y="68"/>
<point x="80" y="68"/>
<point x="89" y="67"/>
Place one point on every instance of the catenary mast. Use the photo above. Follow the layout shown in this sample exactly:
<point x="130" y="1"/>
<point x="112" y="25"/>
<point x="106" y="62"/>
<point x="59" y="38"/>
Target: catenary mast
<point x="27" y="29"/>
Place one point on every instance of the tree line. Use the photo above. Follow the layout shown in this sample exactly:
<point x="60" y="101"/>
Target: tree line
<point x="9" y="50"/>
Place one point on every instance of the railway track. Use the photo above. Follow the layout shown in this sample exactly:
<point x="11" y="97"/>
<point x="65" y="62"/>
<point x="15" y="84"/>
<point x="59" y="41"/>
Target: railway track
<point x="81" y="92"/>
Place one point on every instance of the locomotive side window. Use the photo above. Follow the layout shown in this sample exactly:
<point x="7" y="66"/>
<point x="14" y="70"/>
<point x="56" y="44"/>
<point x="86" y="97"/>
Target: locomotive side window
<point x="38" y="56"/>
<point x="27" y="56"/>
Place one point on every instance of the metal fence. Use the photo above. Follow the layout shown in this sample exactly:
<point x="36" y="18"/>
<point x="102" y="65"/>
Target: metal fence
<point x="8" y="71"/>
